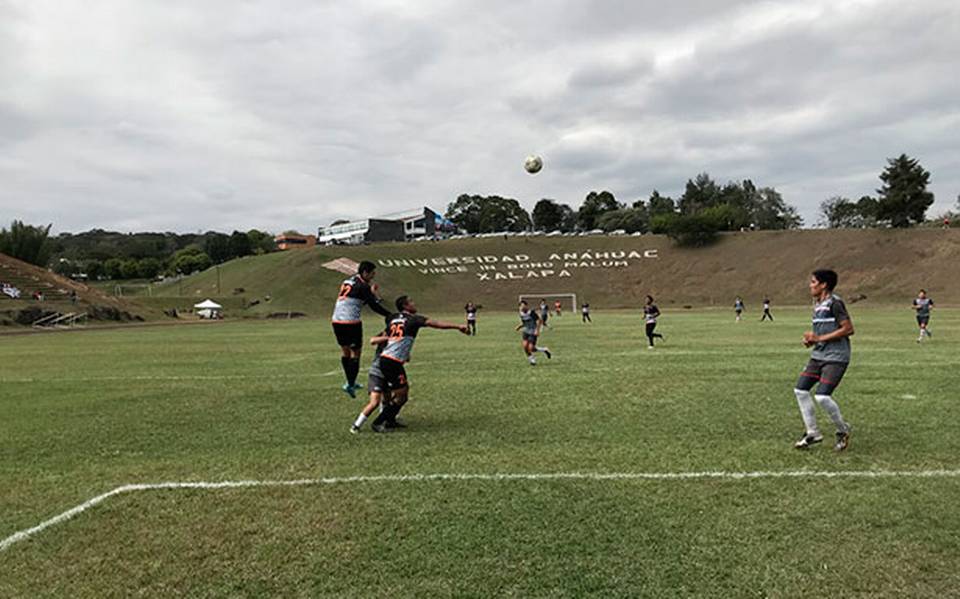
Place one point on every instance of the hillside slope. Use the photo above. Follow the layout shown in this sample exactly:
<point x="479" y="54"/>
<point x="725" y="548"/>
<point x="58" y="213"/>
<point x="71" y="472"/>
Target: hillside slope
<point x="610" y="272"/>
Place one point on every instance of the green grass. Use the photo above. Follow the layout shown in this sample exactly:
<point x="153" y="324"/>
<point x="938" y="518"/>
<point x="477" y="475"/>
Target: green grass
<point x="82" y="413"/>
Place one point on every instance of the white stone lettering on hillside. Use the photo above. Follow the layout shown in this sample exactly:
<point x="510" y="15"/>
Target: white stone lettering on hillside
<point x="517" y="267"/>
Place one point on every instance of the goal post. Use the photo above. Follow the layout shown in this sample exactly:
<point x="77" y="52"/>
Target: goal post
<point x="568" y="299"/>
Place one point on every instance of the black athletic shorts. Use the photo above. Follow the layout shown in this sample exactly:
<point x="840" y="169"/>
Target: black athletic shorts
<point x="828" y="374"/>
<point x="923" y="320"/>
<point x="375" y="382"/>
<point x="349" y="335"/>
<point x="531" y="338"/>
<point x="394" y="374"/>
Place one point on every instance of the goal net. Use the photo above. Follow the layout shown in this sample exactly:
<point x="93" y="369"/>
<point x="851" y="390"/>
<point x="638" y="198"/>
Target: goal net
<point x="568" y="300"/>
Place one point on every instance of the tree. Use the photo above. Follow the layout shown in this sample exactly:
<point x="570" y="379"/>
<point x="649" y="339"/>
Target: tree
<point x="149" y="268"/>
<point x="217" y="247"/>
<point x="631" y="220"/>
<point x="129" y="269"/>
<point x="27" y="242"/>
<point x="547" y="215"/>
<point x="240" y="245"/>
<point x="658" y="204"/>
<point x="261" y="242"/>
<point x="94" y="269"/>
<point x="479" y="214"/>
<point x="700" y="193"/>
<point x="189" y="260"/>
<point x="904" y="198"/>
<point x="594" y="205"/>
<point x="838" y="213"/>
<point x="568" y="223"/>
<point x="768" y="210"/>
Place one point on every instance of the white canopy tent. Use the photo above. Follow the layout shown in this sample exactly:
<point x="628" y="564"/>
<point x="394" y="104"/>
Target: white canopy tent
<point x="208" y="309"/>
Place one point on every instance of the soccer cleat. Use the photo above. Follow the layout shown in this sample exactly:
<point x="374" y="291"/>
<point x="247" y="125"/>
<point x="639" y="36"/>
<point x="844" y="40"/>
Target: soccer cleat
<point x="394" y="424"/>
<point x="808" y="441"/>
<point x="379" y="428"/>
<point x="547" y="352"/>
<point x="649" y="347"/>
<point x="843" y="440"/>
<point x="354" y="429"/>
<point x="357" y="386"/>
<point x="349" y="390"/>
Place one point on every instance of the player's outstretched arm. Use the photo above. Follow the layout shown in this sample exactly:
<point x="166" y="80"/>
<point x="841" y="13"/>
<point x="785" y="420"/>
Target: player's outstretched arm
<point x="439" y="324"/>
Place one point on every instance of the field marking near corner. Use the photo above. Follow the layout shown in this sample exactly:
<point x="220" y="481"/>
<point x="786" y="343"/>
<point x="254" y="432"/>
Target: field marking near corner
<point x="548" y="476"/>
<point x="177" y="377"/>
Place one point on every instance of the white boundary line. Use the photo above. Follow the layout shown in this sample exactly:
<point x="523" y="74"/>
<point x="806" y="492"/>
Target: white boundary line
<point x="175" y="377"/>
<point x="594" y="476"/>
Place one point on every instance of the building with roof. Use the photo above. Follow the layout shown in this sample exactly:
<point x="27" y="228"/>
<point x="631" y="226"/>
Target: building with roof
<point x="409" y="225"/>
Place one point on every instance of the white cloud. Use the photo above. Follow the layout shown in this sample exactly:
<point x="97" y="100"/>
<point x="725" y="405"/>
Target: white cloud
<point x="184" y="115"/>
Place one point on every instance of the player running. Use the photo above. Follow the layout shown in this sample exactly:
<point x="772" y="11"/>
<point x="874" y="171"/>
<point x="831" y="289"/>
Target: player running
<point x="471" y="310"/>
<point x="922" y="305"/>
<point x="401" y="334"/>
<point x="544" y="312"/>
<point x="530" y="323"/>
<point x="650" y="314"/>
<point x="376" y="385"/>
<point x="347" y="325"/>
<point x="830" y="339"/>
<point x="557" y="308"/>
<point x="585" y="313"/>
<point x="766" y="310"/>
<point x="738" y="307"/>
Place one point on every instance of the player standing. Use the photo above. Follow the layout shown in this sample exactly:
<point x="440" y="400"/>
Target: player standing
<point x="922" y="305"/>
<point x="738" y="307"/>
<point x="544" y="312"/>
<point x="766" y="310"/>
<point x="376" y="385"/>
<point x="401" y="334"/>
<point x="557" y="307"/>
<point x="530" y="323"/>
<point x="830" y="339"/>
<point x="585" y="313"/>
<point x="347" y="324"/>
<point x="471" y="310"/>
<point x="650" y="314"/>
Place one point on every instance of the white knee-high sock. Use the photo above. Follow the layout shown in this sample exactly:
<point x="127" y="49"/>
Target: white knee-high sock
<point x="360" y="420"/>
<point x="826" y="402"/>
<point x="542" y="349"/>
<point x="807" y="411"/>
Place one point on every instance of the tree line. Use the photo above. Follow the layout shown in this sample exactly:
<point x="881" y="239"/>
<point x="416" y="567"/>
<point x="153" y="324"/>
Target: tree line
<point x="101" y="254"/>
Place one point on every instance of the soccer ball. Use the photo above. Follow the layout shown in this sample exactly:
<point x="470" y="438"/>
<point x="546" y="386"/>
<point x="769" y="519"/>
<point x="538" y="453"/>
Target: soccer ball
<point x="533" y="164"/>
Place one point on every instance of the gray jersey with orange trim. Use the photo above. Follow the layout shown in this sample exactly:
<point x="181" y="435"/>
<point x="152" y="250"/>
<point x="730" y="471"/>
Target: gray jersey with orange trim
<point x="354" y="293"/>
<point x="827" y="316"/>
<point x="923" y="306"/>
<point x="529" y="319"/>
<point x="403" y="332"/>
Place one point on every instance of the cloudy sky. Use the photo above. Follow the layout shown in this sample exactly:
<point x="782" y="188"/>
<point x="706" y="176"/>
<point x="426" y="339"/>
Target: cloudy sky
<point x="189" y="115"/>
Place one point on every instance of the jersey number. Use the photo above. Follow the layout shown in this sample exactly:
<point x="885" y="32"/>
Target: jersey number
<point x="396" y="330"/>
<point x="344" y="290"/>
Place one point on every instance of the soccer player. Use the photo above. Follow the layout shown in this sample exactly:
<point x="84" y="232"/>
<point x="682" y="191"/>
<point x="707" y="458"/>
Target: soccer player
<point x="585" y="313"/>
<point x="471" y="310"/>
<point x="766" y="310"/>
<point x="347" y="325"/>
<point x="650" y="314"/>
<point x="401" y="334"/>
<point x="830" y="339"/>
<point x="557" y="307"/>
<point x="738" y="307"/>
<point x="922" y="305"/>
<point x="376" y="385"/>
<point x="530" y="323"/>
<point x="544" y="312"/>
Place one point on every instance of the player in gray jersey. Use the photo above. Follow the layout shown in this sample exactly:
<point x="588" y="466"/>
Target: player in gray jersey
<point x="922" y="305"/>
<point x="738" y="307"/>
<point x="347" y="323"/>
<point x="830" y="340"/>
<point x="376" y="385"/>
<point x="531" y="323"/>
<point x="402" y="331"/>
<point x="544" y="313"/>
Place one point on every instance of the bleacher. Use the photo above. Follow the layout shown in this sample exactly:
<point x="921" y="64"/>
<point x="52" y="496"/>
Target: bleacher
<point x="28" y="284"/>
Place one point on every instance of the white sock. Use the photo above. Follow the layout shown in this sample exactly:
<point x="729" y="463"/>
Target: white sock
<point x="543" y="349"/>
<point x="360" y="420"/>
<point x="531" y="359"/>
<point x="826" y="402"/>
<point x="807" y="411"/>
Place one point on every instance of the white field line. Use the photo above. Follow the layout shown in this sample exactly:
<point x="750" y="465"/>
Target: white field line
<point x="590" y="476"/>
<point x="174" y="377"/>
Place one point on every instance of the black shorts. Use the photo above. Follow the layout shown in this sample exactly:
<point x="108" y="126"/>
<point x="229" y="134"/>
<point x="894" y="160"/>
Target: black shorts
<point x="828" y="374"/>
<point x="349" y="335"/>
<point x="923" y="320"/>
<point x="375" y="381"/>
<point x="394" y="375"/>
<point x="530" y="338"/>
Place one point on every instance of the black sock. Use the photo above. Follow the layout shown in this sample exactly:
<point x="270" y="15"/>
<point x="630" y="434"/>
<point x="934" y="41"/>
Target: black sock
<point x="389" y="414"/>
<point x="353" y="370"/>
<point x="345" y="362"/>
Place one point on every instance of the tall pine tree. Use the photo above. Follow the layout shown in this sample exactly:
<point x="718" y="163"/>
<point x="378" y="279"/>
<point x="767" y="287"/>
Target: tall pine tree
<point x="904" y="198"/>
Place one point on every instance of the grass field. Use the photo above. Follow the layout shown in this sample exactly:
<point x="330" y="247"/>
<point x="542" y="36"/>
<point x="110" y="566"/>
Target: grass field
<point x="83" y="413"/>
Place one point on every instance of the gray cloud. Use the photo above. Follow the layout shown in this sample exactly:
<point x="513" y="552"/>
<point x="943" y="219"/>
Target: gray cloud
<point x="188" y="116"/>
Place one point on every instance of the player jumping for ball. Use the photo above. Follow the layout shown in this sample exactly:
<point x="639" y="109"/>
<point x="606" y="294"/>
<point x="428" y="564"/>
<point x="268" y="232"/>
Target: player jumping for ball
<point x="830" y="339"/>
<point x="650" y="314"/>
<point x="401" y="334"/>
<point x="922" y="305"/>
<point x="530" y="323"/>
<point x="347" y="325"/>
